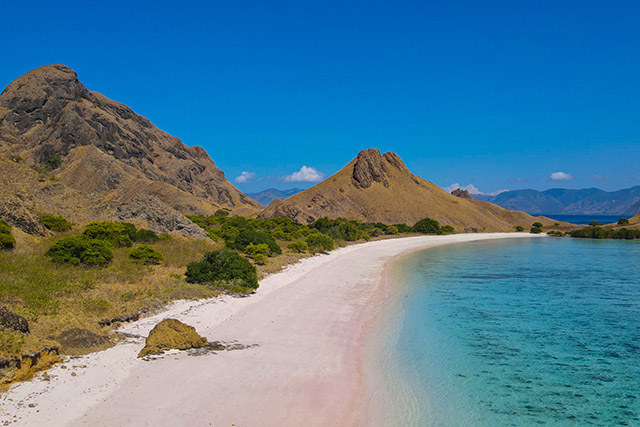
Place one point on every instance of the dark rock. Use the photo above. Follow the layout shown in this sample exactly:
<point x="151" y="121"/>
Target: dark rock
<point x="370" y="166"/>
<point x="459" y="192"/>
<point x="21" y="215"/>
<point x="10" y="320"/>
<point x="78" y="338"/>
<point x="132" y="317"/>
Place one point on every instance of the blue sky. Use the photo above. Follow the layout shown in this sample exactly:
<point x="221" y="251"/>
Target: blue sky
<point x="497" y="94"/>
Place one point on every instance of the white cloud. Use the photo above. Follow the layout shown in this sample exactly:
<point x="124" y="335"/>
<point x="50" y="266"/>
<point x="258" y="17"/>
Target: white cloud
<point x="561" y="176"/>
<point x="305" y="174"/>
<point x="245" y="177"/>
<point x="472" y="189"/>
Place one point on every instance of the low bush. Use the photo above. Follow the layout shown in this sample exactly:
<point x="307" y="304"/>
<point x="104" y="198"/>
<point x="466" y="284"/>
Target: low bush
<point x="56" y="223"/>
<point x="298" y="247"/>
<point x="223" y="268"/>
<point x="535" y="230"/>
<point x="118" y="234"/>
<point x="427" y="226"/>
<point x="53" y="162"/>
<point x="319" y="243"/>
<point x="146" y="254"/>
<point x="249" y="236"/>
<point x="7" y="241"/>
<point x="447" y="229"/>
<point x="601" y="233"/>
<point x="80" y="250"/>
<point x="519" y="228"/>
<point x="146" y="236"/>
<point x="537" y="225"/>
<point x="623" y="221"/>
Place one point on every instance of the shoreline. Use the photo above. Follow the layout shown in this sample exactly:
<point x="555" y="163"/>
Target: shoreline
<point x="312" y="324"/>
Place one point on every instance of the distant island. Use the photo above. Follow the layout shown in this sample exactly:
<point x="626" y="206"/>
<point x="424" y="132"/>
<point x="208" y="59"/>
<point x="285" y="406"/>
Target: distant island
<point x="588" y="201"/>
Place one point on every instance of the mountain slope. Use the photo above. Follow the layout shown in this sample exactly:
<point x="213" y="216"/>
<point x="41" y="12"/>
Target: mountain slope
<point x="108" y="154"/>
<point x="378" y="187"/>
<point x="587" y="201"/>
<point x="265" y="197"/>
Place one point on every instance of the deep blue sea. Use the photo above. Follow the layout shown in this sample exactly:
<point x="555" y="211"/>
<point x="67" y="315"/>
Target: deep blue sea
<point x="518" y="332"/>
<point x="586" y="219"/>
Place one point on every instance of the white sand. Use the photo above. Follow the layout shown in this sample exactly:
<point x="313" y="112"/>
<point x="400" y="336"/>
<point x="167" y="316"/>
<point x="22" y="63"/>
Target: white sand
<point x="309" y="322"/>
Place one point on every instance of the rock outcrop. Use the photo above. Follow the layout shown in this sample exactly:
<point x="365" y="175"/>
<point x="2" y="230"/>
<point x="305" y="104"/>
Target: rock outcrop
<point x="459" y="192"/>
<point x="12" y="321"/>
<point x="172" y="334"/>
<point x="90" y="154"/>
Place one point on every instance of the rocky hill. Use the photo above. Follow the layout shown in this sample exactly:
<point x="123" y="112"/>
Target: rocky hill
<point x="376" y="187"/>
<point x="587" y="201"/>
<point x="70" y="151"/>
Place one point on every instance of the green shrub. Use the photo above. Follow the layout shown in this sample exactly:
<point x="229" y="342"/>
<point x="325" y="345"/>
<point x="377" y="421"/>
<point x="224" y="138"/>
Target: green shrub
<point x="249" y="236"/>
<point x="594" y="223"/>
<point x="146" y="254"/>
<point x="260" y="259"/>
<point x="623" y="221"/>
<point x="7" y="241"/>
<point x="5" y="227"/>
<point x="298" y="247"/>
<point x="447" y="229"/>
<point x="56" y="223"/>
<point x="222" y="212"/>
<point x="118" y="234"/>
<point x="53" y="162"/>
<point x="223" y="268"/>
<point x="404" y="228"/>
<point x="146" y="236"/>
<point x="340" y="228"/>
<point x="80" y="250"/>
<point x="319" y="243"/>
<point x="427" y="226"/>
<point x="519" y="228"/>
<point x="259" y="249"/>
<point x="537" y="225"/>
<point x="536" y="230"/>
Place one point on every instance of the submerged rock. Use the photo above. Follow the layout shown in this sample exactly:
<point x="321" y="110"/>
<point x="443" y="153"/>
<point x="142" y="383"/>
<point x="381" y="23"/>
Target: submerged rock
<point x="172" y="334"/>
<point x="10" y="320"/>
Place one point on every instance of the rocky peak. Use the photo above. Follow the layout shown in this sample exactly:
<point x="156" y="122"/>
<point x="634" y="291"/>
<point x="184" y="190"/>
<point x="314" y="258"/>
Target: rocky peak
<point x="459" y="192"/>
<point x="370" y="166"/>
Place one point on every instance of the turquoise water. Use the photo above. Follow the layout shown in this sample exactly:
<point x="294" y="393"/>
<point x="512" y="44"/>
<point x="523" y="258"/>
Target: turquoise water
<point x="518" y="333"/>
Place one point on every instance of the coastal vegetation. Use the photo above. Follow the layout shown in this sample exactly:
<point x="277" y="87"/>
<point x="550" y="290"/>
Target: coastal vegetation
<point x="223" y="268"/>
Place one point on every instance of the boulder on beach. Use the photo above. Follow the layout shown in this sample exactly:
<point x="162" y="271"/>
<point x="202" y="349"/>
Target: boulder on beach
<point x="169" y="334"/>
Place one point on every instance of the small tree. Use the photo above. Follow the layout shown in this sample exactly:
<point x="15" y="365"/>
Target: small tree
<point x="623" y="221"/>
<point x="223" y="267"/>
<point x="427" y="226"/>
<point x="537" y="225"/>
<point x="53" y="162"/>
<point x="117" y="234"/>
<point x="519" y="228"/>
<point x="146" y="254"/>
<point x="7" y="241"/>
<point x="146" y="236"/>
<point x="594" y="223"/>
<point x="447" y="229"/>
<point x="536" y="230"/>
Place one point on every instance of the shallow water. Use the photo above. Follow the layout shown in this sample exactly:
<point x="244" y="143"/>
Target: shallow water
<point x="515" y="333"/>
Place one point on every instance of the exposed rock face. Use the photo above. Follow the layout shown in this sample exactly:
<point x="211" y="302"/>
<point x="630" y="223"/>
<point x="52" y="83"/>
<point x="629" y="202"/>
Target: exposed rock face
<point x="78" y="338"/>
<point x="459" y="192"/>
<point x="21" y="214"/>
<point x="149" y="210"/>
<point x="169" y="334"/>
<point x="22" y="368"/>
<point x="376" y="187"/>
<point x="109" y="154"/>
<point x="10" y="320"/>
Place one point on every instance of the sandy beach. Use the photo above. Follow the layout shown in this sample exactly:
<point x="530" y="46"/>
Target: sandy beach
<point x="309" y="327"/>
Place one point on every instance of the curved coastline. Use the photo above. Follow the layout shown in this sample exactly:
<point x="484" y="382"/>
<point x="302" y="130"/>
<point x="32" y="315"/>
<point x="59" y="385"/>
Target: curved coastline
<point x="314" y="326"/>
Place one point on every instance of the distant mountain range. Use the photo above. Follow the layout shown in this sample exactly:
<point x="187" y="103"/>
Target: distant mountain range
<point x="588" y="201"/>
<point x="377" y="187"/>
<point x="265" y="197"/>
